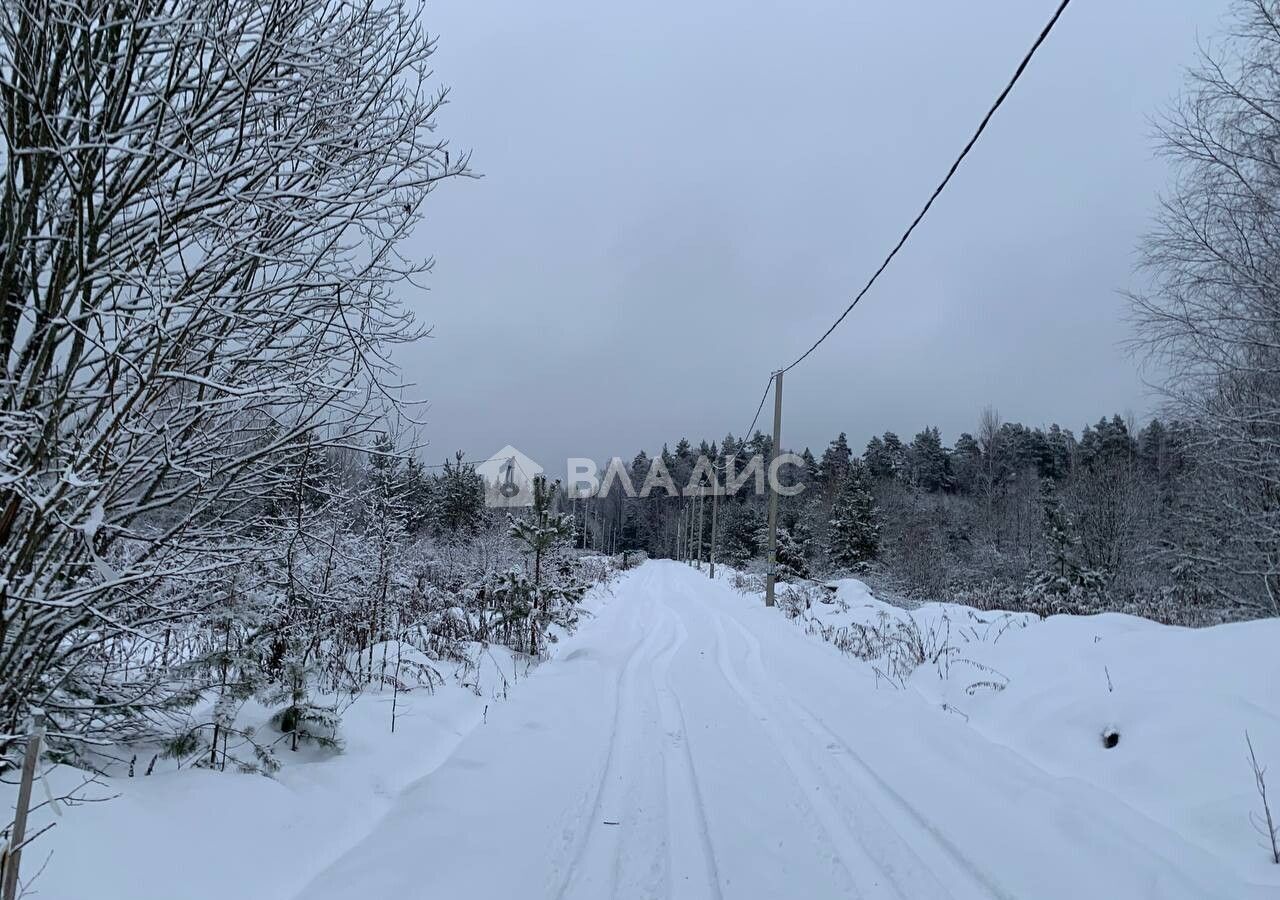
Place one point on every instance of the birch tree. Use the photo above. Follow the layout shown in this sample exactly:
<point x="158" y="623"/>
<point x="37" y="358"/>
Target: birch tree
<point x="1211" y="318"/>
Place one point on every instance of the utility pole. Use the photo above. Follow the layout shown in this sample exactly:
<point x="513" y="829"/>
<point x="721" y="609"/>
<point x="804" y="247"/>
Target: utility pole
<point x="715" y="498"/>
<point x="688" y="533"/>
<point x="702" y="505"/>
<point x="680" y="534"/>
<point x="772" y="575"/>
<point x="688" y="529"/>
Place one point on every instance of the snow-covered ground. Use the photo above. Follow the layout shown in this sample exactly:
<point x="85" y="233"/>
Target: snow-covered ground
<point x="192" y="834"/>
<point x="1176" y="703"/>
<point x="687" y="742"/>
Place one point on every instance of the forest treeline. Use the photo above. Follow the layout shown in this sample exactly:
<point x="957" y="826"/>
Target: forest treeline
<point x="1008" y="516"/>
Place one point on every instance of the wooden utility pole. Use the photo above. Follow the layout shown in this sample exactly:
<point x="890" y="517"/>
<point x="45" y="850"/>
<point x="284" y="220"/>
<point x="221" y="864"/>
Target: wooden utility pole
<point x="684" y="535"/>
<point x="18" y="834"/>
<point x="702" y="504"/>
<point x="688" y="533"/>
<point x="715" y="503"/>
<point x="684" y="531"/>
<point x="680" y="534"/>
<point x="772" y="575"/>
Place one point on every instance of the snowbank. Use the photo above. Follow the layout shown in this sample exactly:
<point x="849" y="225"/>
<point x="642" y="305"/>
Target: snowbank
<point x="1174" y="703"/>
<point x="196" y="834"/>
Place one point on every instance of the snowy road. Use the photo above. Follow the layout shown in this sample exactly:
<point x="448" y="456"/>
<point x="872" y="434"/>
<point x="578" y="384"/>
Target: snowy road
<point x="688" y="743"/>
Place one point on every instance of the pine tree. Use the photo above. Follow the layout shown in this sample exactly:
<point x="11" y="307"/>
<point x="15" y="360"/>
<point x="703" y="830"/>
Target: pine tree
<point x="1062" y="575"/>
<point x="418" y="490"/>
<point x="740" y="525"/>
<point x="1107" y="442"/>
<point x="789" y="553"/>
<point x="542" y="530"/>
<point x="886" y="457"/>
<point x="1062" y="450"/>
<point x="834" y="466"/>
<point x="1060" y="540"/>
<point x="966" y="463"/>
<point x="877" y="462"/>
<point x="790" y="556"/>
<point x="812" y="474"/>
<point x="854" y="535"/>
<point x="802" y="538"/>
<point x="231" y="668"/>
<point x="930" y="468"/>
<point x="761" y="445"/>
<point x="733" y="451"/>
<point x="459" y="497"/>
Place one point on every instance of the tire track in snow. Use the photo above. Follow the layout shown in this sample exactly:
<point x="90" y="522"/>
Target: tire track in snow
<point x="850" y="854"/>
<point x="903" y="819"/>
<point x="909" y="821"/>
<point x="635" y="848"/>
<point x="683" y="793"/>
<point x="593" y="843"/>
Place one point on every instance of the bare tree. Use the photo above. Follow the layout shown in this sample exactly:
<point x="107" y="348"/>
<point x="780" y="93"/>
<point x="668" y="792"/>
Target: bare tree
<point x="201" y="216"/>
<point x="989" y="473"/>
<point x="1111" y="504"/>
<point x="1211" y="317"/>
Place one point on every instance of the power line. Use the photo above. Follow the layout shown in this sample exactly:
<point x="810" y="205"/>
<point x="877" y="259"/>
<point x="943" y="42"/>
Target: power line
<point x="982" y="126"/>
<point x="746" y="435"/>
<point x="1026" y="60"/>
<point x="451" y="463"/>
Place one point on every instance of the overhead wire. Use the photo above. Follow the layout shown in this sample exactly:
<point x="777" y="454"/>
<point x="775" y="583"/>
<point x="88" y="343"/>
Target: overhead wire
<point x="982" y="126"/>
<point x="906" y="235"/>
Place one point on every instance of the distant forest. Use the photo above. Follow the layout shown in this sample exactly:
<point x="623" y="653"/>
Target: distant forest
<point x="1009" y="516"/>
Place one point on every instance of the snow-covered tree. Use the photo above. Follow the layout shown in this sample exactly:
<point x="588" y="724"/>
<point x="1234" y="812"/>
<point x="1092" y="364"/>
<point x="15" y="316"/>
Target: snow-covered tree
<point x="200" y="219"/>
<point x="966" y="463"/>
<point x="740" y="525"/>
<point x="886" y="457"/>
<point x="1210" y="312"/>
<point x="853" y="536"/>
<point x="928" y="465"/>
<point x="1061" y="575"/>
<point x="834" y="466"/>
<point x="458" y="496"/>
<point x="789" y="550"/>
<point x="540" y="531"/>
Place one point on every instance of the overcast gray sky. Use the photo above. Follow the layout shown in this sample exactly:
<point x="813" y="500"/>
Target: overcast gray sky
<point x="679" y="197"/>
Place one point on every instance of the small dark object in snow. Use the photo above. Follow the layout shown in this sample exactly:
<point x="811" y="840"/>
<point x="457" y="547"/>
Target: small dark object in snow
<point x="1110" y="739"/>
<point x="607" y="822"/>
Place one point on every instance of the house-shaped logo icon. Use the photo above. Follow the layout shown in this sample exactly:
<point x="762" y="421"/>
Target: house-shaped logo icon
<point x="508" y="478"/>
